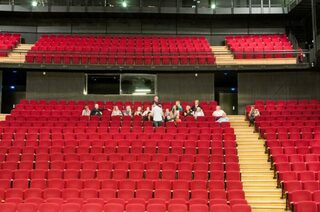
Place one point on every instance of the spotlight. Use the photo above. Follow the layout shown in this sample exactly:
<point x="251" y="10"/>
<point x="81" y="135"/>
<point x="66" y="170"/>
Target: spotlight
<point x="34" y="3"/>
<point x="124" y="4"/>
<point x="12" y="87"/>
<point x="213" y="6"/>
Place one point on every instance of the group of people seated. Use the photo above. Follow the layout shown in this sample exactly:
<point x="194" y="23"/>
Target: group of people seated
<point x="157" y="114"/>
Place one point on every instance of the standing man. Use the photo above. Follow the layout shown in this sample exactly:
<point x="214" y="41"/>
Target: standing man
<point x="157" y="115"/>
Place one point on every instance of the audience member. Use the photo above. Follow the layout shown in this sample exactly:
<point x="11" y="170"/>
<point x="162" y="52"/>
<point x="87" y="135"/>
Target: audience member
<point x="138" y="111"/>
<point x="157" y="115"/>
<point x="188" y="111"/>
<point x="116" y="111"/>
<point x="127" y="111"/>
<point x="199" y="112"/>
<point x="86" y="111"/>
<point x="219" y="115"/>
<point x="252" y="115"/>
<point x="177" y="107"/>
<point x="146" y="114"/>
<point x="96" y="111"/>
<point x="167" y="115"/>
<point x="175" y="114"/>
<point x="195" y="106"/>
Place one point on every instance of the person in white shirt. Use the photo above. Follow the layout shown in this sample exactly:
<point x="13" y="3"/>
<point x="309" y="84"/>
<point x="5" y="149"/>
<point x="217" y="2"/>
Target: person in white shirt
<point x="86" y="111"/>
<point x="219" y="115"/>
<point x="146" y="114"/>
<point x="157" y="115"/>
<point x="199" y="112"/>
<point x="116" y="111"/>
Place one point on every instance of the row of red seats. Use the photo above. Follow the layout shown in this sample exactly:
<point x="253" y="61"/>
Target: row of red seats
<point x="135" y="206"/>
<point x="299" y="149"/>
<point x="294" y="136"/>
<point x="53" y="162"/>
<point x="250" y="47"/>
<point x="127" y="129"/>
<point x="57" y="154"/>
<point x="120" y="174"/>
<point x="270" y="102"/>
<point x="8" y="42"/>
<point x="84" y="59"/>
<point x="38" y="182"/>
<point x="124" y="194"/>
<point x="300" y="144"/>
<point x="101" y="102"/>
<point x="146" y="126"/>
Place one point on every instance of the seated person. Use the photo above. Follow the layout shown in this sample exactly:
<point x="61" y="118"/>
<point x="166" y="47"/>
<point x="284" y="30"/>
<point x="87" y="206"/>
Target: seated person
<point x="86" y="111"/>
<point x="199" y="112"/>
<point x="167" y="115"/>
<point x="116" y="111"/>
<point x="219" y="115"/>
<point x="195" y="106"/>
<point x="177" y="106"/>
<point x="188" y="111"/>
<point x="127" y="111"/>
<point x="96" y="111"/>
<point x="253" y="114"/>
<point x="138" y="111"/>
<point x="147" y="114"/>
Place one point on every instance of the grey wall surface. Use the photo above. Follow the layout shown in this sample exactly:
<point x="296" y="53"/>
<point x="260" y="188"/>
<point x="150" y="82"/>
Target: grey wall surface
<point x="215" y="28"/>
<point x="170" y="87"/>
<point x="277" y="85"/>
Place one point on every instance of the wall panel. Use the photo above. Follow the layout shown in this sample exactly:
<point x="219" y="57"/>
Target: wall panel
<point x="277" y="85"/>
<point x="170" y="87"/>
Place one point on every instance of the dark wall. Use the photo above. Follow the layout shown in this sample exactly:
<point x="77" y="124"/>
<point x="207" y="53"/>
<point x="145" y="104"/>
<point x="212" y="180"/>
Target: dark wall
<point x="215" y="28"/>
<point x="277" y="85"/>
<point x="55" y="85"/>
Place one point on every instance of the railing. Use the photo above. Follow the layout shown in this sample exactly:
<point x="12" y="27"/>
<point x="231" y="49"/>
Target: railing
<point x="302" y="56"/>
<point x="209" y="4"/>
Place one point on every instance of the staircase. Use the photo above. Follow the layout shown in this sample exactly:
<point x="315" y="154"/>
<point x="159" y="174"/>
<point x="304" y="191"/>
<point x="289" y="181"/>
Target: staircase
<point x="3" y="117"/>
<point x="17" y="55"/>
<point x="258" y="183"/>
<point x="225" y="57"/>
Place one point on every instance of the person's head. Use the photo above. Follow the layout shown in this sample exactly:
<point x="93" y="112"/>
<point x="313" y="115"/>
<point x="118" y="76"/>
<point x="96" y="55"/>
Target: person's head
<point x="199" y="109"/>
<point x="139" y="109"/>
<point x="156" y="98"/>
<point x="167" y="110"/>
<point x="188" y="108"/>
<point x="148" y="108"/>
<point x="218" y="107"/>
<point x="115" y="108"/>
<point x="128" y="108"/>
<point x="196" y="102"/>
<point x="177" y="103"/>
<point x="86" y="107"/>
<point x="96" y="106"/>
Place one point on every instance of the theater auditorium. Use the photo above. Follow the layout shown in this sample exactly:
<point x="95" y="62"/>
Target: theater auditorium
<point x="159" y="105"/>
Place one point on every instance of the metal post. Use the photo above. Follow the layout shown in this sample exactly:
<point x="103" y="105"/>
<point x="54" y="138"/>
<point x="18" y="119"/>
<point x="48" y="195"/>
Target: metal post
<point x="314" y="28"/>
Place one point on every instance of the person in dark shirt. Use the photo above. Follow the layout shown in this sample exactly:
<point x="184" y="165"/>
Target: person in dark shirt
<point x="196" y="105"/>
<point x="96" y="111"/>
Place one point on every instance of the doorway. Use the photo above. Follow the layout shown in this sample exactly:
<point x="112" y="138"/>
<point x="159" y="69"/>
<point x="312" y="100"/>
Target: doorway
<point x="226" y="91"/>
<point x="13" y="89"/>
